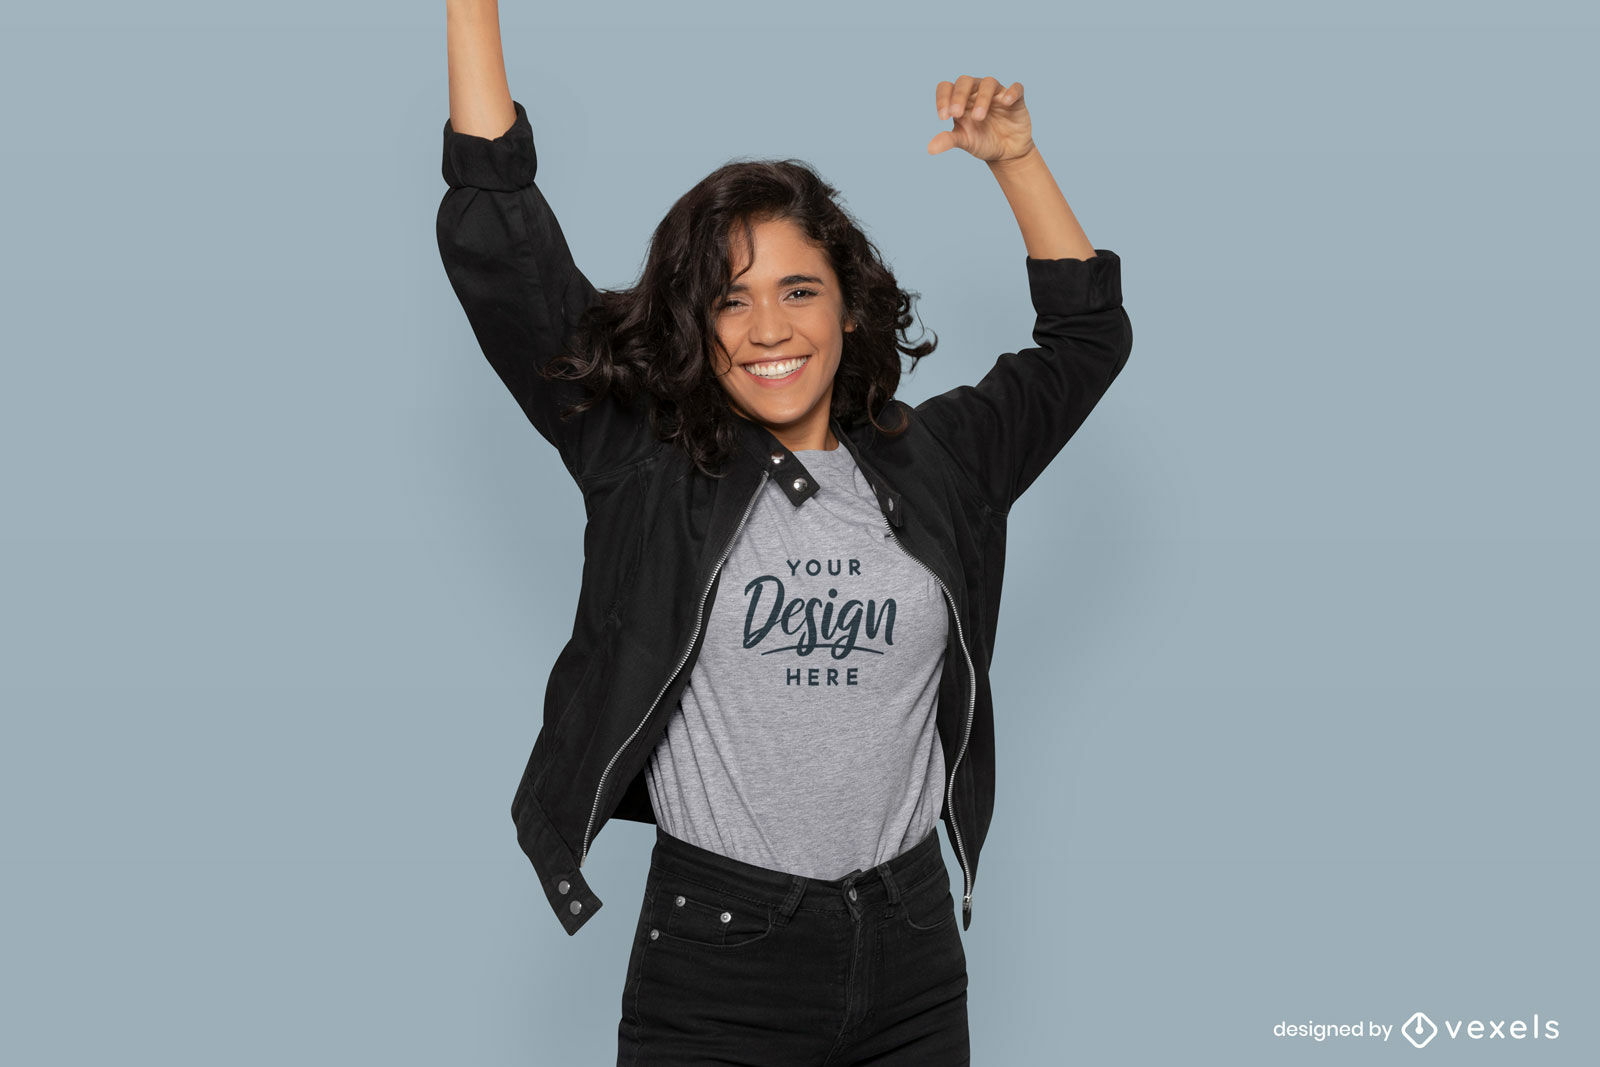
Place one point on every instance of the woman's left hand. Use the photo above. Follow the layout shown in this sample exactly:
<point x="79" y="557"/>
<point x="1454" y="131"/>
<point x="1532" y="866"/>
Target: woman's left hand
<point x="991" y="120"/>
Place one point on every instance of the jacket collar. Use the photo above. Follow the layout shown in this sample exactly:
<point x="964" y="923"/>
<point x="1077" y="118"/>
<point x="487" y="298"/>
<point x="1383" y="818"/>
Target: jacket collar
<point x="797" y="484"/>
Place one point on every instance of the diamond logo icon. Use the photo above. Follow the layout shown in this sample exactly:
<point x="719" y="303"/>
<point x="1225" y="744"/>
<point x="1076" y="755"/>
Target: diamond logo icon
<point x="1419" y="1029"/>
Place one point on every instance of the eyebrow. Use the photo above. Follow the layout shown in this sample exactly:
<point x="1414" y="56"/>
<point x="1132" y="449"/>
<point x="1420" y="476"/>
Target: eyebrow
<point x="787" y="279"/>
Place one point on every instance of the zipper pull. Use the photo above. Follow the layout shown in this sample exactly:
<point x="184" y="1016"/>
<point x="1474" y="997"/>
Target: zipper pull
<point x="966" y="911"/>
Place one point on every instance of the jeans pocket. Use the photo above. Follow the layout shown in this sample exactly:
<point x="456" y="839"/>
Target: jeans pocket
<point x="930" y="905"/>
<point x="703" y="915"/>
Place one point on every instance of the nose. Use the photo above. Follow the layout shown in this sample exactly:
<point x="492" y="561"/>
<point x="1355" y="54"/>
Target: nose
<point x="769" y="324"/>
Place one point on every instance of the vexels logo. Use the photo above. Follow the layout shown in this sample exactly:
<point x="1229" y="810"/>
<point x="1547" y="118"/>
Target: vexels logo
<point x="1419" y="1029"/>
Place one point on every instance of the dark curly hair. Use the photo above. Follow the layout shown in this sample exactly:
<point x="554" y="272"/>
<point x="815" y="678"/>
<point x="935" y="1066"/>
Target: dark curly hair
<point x="657" y="342"/>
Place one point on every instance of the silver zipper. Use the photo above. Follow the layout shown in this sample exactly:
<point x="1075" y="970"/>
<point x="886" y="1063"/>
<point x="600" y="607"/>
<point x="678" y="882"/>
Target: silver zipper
<point x="699" y="616"/>
<point x="972" y="703"/>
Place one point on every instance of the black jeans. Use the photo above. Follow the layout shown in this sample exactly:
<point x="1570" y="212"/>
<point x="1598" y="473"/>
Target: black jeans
<point x="738" y="964"/>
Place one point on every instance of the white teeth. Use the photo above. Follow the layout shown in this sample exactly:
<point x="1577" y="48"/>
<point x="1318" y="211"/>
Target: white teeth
<point x="775" y="369"/>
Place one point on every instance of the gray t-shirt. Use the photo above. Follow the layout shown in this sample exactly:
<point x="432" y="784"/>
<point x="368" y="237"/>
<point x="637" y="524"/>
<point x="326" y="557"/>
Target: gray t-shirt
<point x="806" y="740"/>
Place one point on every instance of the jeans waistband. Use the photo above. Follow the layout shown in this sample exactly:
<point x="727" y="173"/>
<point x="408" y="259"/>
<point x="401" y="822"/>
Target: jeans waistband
<point x="791" y="892"/>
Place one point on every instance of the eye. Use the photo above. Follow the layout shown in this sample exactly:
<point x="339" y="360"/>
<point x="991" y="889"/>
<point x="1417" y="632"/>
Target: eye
<point x="732" y="302"/>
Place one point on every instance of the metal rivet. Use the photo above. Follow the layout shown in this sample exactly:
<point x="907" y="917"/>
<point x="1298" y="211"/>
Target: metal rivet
<point x="727" y="916"/>
<point x="562" y="886"/>
<point x="654" y="934"/>
<point x="777" y="458"/>
<point x="575" y="907"/>
<point x="679" y="902"/>
<point x="800" y="485"/>
<point x="852" y="892"/>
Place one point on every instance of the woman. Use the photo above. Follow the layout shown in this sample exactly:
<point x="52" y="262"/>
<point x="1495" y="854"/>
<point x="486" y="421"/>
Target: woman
<point x="791" y="580"/>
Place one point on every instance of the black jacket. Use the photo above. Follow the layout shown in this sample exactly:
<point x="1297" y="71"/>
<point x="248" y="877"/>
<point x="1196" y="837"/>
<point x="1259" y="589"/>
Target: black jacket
<point x="658" y="529"/>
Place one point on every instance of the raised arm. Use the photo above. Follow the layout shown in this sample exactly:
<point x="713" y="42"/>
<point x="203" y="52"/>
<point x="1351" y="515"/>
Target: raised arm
<point x="480" y="97"/>
<point x="506" y="256"/>
<point x="1006" y="429"/>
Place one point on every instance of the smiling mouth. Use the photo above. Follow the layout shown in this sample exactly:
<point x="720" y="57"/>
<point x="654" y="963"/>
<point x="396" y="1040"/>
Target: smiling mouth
<point x="776" y="368"/>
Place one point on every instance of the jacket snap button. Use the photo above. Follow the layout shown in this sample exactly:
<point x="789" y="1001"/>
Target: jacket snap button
<point x="777" y="458"/>
<point x="654" y="934"/>
<point x="726" y="916"/>
<point x="800" y="485"/>
<point x="575" y="907"/>
<point x="562" y="886"/>
<point x="679" y="902"/>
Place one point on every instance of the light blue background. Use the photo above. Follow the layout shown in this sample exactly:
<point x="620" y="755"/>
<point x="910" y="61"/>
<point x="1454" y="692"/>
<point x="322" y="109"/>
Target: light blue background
<point x="1293" y="715"/>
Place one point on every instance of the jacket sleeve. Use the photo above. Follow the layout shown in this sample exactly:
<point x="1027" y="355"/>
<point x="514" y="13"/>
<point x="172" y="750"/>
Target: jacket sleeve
<point x="509" y="264"/>
<point x="1006" y="429"/>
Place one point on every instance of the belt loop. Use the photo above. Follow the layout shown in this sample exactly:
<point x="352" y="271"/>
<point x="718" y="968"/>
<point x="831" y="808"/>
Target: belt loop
<point x="889" y="884"/>
<point x="797" y="889"/>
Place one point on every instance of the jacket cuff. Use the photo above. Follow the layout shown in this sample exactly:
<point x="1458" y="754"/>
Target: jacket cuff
<point x="1075" y="286"/>
<point x="557" y="868"/>
<point x="505" y="163"/>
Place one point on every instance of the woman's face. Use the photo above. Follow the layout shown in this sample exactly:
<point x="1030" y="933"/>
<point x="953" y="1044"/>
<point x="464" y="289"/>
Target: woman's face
<point x="781" y="326"/>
